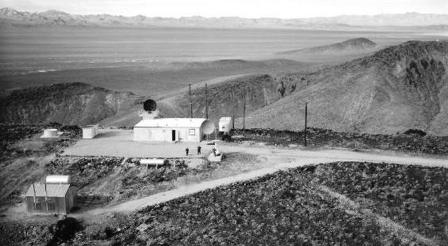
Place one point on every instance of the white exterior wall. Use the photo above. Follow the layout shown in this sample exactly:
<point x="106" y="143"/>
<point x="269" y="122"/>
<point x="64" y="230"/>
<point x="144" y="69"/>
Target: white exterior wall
<point x="50" y="133"/>
<point x="164" y="134"/>
<point x="225" y="124"/>
<point x="88" y="132"/>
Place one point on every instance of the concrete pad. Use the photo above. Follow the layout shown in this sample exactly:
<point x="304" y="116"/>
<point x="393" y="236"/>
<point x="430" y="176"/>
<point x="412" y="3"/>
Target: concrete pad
<point x="117" y="142"/>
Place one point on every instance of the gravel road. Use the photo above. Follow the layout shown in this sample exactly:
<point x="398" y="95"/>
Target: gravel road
<point x="275" y="159"/>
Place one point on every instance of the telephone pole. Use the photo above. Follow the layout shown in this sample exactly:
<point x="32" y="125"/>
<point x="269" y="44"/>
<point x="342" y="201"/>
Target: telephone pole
<point x="244" y="109"/>
<point x="191" y="101"/>
<point x="306" y="122"/>
<point x="206" y="102"/>
<point x="306" y="118"/>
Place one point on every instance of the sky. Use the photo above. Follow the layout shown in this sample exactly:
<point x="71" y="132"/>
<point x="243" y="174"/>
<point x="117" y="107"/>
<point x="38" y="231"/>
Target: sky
<point x="241" y="8"/>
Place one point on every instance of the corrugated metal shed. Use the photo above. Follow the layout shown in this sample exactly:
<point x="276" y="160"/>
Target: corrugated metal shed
<point x="172" y="122"/>
<point x="53" y="190"/>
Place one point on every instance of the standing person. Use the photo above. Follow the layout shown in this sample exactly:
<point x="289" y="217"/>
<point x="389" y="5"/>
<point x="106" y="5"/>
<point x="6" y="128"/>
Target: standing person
<point x="186" y="151"/>
<point x="199" y="149"/>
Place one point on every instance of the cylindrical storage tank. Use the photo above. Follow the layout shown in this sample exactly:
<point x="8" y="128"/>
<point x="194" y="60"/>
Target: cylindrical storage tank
<point x="50" y="133"/>
<point x="225" y="124"/>
<point x="57" y="179"/>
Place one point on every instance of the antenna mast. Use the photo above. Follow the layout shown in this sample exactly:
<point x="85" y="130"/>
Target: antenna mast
<point x="244" y="109"/>
<point x="191" y="102"/>
<point x="306" y="122"/>
<point x="206" y="102"/>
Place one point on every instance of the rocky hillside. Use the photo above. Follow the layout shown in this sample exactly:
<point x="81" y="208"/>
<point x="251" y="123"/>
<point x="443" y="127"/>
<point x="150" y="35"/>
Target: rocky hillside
<point x="397" y="88"/>
<point x="225" y="98"/>
<point x="71" y="103"/>
<point x="351" y="45"/>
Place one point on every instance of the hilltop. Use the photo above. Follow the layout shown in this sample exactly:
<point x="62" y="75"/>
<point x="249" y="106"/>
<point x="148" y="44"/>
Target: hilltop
<point x="350" y="45"/>
<point x="397" y="88"/>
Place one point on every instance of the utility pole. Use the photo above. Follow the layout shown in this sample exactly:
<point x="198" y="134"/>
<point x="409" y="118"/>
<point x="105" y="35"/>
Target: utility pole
<point x="191" y="101"/>
<point x="306" y="122"/>
<point x="244" y="109"/>
<point x="206" y="102"/>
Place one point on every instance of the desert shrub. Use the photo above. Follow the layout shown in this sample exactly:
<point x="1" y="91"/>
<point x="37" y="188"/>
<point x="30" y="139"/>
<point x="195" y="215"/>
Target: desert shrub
<point x="72" y="131"/>
<point x="415" y="132"/>
<point x="64" y="230"/>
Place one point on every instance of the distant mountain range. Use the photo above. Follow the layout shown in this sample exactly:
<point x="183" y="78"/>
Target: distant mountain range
<point x="12" y="17"/>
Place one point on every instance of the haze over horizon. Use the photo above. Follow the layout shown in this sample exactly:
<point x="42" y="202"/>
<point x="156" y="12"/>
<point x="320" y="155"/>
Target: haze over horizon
<point x="284" y="9"/>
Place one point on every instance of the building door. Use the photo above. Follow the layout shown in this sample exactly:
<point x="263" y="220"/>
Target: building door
<point x="173" y="135"/>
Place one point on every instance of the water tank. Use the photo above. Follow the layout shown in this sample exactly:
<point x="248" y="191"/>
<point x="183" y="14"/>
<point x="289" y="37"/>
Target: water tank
<point x="50" y="133"/>
<point x="57" y="179"/>
<point x="225" y="124"/>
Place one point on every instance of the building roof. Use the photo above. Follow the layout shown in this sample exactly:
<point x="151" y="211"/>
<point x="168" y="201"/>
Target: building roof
<point x="53" y="190"/>
<point x="172" y="122"/>
<point x="90" y="126"/>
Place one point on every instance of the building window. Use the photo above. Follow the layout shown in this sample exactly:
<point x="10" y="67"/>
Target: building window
<point x="38" y="205"/>
<point x="51" y="206"/>
<point x="192" y="132"/>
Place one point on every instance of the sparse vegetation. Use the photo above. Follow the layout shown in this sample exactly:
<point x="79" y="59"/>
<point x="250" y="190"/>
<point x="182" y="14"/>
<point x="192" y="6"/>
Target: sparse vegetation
<point x="289" y="207"/>
<point x="412" y="143"/>
<point x="415" y="197"/>
<point x="84" y="171"/>
<point x="46" y="232"/>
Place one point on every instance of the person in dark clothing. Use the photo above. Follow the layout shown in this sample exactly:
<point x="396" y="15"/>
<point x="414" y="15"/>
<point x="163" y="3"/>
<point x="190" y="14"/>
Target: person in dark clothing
<point x="199" y="150"/>
<point x="186" y="151"/>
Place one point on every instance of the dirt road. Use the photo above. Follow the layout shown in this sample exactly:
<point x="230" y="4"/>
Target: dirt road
<point x="275" y="160"/>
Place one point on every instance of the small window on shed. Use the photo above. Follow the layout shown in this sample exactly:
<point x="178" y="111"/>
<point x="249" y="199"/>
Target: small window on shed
<point x="38" y="205"/>
<point x="192" y="132"/>
<point x="51" y="206"/>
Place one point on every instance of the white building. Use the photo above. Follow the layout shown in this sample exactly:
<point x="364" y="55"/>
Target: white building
<point x="225" y="124"/>
<point x="89" y="132"/>
<point x="50" y="133"/>
<point x="173" y="129"/>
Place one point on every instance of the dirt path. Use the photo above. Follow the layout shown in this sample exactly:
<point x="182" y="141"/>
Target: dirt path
<point x="276" y="159"/>
<point x="397" y="229"/>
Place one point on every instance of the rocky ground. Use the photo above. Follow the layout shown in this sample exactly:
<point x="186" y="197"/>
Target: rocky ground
<point x="345" y="202"/>
<point x="307" y="205"/>
<point x="411" y="141"/>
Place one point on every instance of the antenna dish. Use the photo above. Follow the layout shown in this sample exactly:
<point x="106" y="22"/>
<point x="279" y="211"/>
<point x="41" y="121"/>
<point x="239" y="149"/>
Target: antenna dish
<point x="208" y="127"/>
<point x="149" y="105"/>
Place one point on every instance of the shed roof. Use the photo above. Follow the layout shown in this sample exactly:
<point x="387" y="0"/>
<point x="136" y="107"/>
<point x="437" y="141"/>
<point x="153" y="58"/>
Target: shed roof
<point x="172" y="122"/>
<point x="53" y="190"/>
<point x="90" y="126"/>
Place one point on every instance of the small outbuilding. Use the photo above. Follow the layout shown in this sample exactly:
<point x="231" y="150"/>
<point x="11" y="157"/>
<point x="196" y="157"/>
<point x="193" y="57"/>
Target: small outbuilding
<point x="89" y="131"/>
<point x="50" y="133"/>
<point x="50" y="198"/>
<point x="225" y="124"/>
<point x="173" y="129"/>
